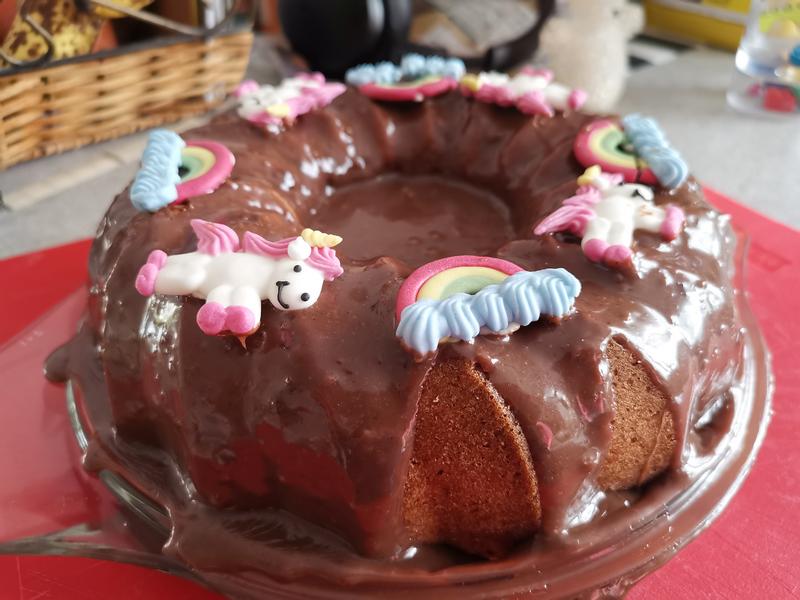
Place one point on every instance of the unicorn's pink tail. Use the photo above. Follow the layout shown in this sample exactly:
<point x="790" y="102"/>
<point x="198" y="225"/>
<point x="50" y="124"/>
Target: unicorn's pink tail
<point x="673" y="222"/>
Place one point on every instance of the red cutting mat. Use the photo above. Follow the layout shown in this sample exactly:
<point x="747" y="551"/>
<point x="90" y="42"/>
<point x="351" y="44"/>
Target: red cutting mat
<point x="752" y="551"/>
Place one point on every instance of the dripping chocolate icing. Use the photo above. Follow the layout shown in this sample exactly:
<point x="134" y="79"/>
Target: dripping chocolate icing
<point x="291" y="450"/>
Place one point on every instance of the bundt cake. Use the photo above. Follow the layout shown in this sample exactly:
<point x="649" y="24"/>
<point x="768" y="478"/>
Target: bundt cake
<point x="327" y="429"/>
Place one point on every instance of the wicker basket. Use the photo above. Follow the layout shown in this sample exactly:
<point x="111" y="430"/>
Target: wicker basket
<point x="58" y="107"/>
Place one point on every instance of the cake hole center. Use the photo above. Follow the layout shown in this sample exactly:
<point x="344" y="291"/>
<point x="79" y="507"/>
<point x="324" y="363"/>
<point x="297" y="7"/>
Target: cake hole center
<point x="415" y="218"/>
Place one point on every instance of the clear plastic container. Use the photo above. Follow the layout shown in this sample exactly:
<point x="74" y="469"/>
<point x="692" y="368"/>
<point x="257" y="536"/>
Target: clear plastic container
<point x="767" y="76"/>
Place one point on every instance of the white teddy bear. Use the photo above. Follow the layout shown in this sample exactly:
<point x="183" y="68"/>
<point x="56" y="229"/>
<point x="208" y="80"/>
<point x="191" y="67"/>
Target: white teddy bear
<point x="587" y="48"/>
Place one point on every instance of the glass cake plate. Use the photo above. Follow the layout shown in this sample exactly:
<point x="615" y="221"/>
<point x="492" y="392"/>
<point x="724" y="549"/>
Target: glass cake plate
<point x="52" y="506"/>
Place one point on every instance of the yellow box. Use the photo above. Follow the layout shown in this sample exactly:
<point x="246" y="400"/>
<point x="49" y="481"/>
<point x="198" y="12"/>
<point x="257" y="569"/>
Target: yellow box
<point x="717" y="23"/>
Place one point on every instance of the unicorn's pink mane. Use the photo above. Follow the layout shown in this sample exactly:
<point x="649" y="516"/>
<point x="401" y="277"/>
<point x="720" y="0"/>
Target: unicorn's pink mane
<point x="324" y="259"/>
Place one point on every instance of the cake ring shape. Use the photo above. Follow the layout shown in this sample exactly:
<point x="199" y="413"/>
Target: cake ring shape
<point x="318" y="453"/>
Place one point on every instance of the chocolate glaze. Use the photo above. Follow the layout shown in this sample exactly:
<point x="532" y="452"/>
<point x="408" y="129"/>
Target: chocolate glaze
<point x="314" y="413"/>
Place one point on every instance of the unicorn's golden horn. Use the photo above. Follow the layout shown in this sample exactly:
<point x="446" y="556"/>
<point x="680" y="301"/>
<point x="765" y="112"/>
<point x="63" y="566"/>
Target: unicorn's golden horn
<point x="320" y="239"/>
<point x="589" y="175"/>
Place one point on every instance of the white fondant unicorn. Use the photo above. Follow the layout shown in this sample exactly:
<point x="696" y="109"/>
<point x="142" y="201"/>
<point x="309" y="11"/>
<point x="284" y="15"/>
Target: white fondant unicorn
<point x="532" y="91"/>
<point x="605" y="212"/>
<point x="234" y="279"/>
<point x="294" y="96"/>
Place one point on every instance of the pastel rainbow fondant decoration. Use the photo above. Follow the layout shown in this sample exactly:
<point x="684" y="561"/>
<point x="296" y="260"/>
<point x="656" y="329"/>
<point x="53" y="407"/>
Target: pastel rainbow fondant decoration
<point x="266" y="105"/>
<point x="173" y="170"/>
<point x="461" y="297"/>
<point x="234" y="276"/>
<point x="651" y="145"/>
<point x="204" y="166"/>
<point x="532" y="91"/>
<point x="635" y="148"/>
<point x="452" y="275"/>
<point x="416" y="77"/>
<point x="603" y="142"/>
<point x="605" y="212"/>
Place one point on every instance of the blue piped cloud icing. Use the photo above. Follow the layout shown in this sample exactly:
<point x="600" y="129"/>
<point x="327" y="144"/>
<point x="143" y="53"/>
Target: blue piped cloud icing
<point x="517" y="301"/>
<point x="651" y="144"/>
<point x="412" y="66"/>
<point x="154" y="186"/>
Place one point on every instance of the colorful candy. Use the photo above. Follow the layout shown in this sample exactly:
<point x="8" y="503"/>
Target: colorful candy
<point x="173" y="170"/>
<point x="416" y="78"/>
<point x="235" y="276"/>
<point x="531" y="91"/>
<point x="266" y="105"/>
<point x="776" y="97"/>
<point x="779" y="98"/>
<point x="605" y="212"/>
<point x="461" y="297"/>
<point x="636" y="149"/>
